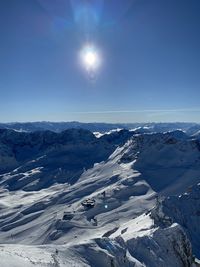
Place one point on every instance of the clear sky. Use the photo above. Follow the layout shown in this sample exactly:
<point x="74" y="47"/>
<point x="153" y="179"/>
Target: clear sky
<point x="150" y="53"/>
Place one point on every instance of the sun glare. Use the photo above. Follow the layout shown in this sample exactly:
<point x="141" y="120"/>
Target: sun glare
<point x="90" y="58"/>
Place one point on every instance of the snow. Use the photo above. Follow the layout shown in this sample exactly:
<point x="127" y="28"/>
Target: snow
<point x="20" y="255"/>
<point x="185" y="210"/>
<point x="123" y="172"/>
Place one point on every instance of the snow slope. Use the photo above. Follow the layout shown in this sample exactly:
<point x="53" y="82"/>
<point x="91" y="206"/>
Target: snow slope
<point x="33" y="161"/>
<point x="169" y="162"/>
<point x="185" y="210"/>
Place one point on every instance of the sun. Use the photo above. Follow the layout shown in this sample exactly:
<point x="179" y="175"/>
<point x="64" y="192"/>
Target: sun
<point x="90" y="58"/>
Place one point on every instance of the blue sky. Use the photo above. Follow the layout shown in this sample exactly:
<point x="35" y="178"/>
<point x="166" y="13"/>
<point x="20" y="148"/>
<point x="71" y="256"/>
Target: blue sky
<point x="150" y="67"/>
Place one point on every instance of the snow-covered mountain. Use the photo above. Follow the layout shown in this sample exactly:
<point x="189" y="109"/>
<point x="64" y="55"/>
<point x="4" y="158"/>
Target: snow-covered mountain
<point x="169" y="162"/>
<point x="185" y="210"/>
<point x="33" y="161"/>
<point x="190" y="128"/>
<point x="72" y="199"/>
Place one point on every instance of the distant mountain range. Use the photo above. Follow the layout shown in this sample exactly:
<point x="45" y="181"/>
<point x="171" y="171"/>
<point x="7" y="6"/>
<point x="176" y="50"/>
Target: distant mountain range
<point x="191" y="128"/>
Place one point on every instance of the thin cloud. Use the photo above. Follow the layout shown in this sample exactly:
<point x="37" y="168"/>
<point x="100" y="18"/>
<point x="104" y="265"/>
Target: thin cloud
<point x="138" y="111"/>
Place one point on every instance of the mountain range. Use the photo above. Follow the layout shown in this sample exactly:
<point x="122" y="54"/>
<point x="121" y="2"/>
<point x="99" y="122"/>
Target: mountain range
<point x="126" y="197"/>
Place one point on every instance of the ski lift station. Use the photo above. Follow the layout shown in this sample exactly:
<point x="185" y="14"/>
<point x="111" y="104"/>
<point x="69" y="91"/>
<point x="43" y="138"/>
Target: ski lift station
<point x="88" y="203"/>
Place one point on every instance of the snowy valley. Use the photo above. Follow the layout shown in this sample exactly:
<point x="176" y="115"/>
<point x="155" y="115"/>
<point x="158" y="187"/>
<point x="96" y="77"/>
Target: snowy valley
<point x="125" y="198"/>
